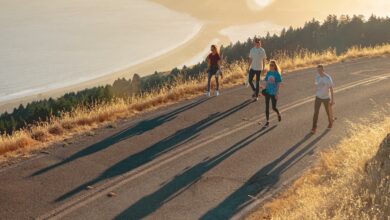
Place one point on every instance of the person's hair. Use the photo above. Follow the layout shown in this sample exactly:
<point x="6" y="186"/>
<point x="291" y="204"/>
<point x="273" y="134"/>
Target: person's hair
<point x="320" y="66"/>
<point x="277" y="68"/>
<point x="215" y="48"/>
<point x="257" y="40"/>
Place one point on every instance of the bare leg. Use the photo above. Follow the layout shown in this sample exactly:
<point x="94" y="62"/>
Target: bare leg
<point x="317" y="105"/>
<point x="208" y="82"/>
<point x="217" y="82"/>
<point x="329" y="112"/>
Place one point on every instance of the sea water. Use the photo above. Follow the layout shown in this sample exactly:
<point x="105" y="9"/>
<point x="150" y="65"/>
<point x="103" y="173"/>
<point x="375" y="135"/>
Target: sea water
<point x="49" y="44"/>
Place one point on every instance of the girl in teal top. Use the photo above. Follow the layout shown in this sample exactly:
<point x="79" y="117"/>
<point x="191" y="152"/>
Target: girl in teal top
<point x="272" y="80"/>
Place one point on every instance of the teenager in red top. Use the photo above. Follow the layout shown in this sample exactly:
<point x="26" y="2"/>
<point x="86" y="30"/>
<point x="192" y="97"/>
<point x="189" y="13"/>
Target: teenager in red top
<point x="214" y="66"/>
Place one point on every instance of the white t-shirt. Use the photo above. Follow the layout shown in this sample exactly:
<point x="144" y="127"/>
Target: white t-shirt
<point x="257" y="55"/>
<point x="323" y="84"/>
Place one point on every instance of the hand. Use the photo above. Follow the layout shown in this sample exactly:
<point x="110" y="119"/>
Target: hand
<point x="277" y="96"/>
<point x="332" y="102"/>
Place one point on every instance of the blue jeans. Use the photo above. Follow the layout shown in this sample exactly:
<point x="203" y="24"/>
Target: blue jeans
<point x="252" y="74"/>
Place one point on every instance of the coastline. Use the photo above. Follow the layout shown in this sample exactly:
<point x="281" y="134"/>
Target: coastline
<point x="163" y="61"/>
<point x="97" y="75"/>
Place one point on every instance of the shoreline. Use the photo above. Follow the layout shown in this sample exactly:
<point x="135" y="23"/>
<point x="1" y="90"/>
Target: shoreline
<point x="58" y="85"/>
<point x="164" y="61"/>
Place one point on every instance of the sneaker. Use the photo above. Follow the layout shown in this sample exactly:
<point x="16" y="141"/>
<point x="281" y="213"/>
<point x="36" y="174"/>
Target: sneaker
<point x="313" y="130"/>
<point x="207" y="94"/>
<point x="330" y="126"/>
<point x="266" y="125"/>
<point x="279" y="118"/>
<point x="216" y="93"/>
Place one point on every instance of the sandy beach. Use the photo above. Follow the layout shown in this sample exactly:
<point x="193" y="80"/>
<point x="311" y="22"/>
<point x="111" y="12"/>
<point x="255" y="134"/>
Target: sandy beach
<point x="221" y="21"/>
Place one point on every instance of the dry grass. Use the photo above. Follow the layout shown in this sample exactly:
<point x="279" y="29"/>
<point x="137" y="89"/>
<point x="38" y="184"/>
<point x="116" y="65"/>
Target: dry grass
<point x="84" y="119"/>
<point x="308" y="59"/>
<point x="349" y="181"/>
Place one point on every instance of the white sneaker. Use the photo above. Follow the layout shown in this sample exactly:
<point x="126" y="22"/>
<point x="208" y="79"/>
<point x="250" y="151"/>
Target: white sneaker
<point x="207" y="94"/>
<point x="216" y="93"/>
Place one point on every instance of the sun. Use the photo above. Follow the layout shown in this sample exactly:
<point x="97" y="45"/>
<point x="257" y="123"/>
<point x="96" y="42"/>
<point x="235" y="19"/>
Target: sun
<point x="262" y="3"/>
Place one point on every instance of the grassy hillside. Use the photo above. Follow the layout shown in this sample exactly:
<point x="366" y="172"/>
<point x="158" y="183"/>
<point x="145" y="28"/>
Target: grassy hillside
<point x="349" y="181"/>
<point x="82" y="119"/>
<point x="40" y="123"/>
<point x="294" y="48"/>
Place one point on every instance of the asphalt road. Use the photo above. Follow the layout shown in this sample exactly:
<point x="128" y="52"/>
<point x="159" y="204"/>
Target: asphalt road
<point x="206" y="158"/>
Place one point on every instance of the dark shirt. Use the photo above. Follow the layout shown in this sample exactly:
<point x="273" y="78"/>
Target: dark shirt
<point x="214" y="58"/>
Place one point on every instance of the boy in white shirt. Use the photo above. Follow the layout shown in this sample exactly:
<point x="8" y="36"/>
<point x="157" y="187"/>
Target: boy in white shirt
<point x="324" y="95"/>
<point x="257" y="58"/>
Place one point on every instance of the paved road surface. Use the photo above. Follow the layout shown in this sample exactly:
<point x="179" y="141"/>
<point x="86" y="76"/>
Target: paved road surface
<point x="200" y="159"/>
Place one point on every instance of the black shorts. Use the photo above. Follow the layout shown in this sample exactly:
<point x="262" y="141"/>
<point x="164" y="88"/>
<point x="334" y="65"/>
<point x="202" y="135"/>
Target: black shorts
<point x="213" y="70"/>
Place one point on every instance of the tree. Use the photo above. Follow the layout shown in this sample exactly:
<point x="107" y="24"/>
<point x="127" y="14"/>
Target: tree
<point x="136" y="84"/>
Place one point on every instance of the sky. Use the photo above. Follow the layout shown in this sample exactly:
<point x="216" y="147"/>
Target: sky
<point x="281" y="12"/>
<point x="294" y="12"/>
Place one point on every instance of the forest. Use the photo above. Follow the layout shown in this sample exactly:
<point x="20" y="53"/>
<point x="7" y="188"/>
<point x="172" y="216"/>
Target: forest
<point x="335" y="32"/>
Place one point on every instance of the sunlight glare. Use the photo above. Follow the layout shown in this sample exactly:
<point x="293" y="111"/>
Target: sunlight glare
<point x="263" y="3"/>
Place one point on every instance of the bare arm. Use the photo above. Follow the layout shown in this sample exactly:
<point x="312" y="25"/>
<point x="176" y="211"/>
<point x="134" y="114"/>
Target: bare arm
<point x="250" y="59"/>
<point x="331" y="95"/>
<point x="277" y="90"/>
<point x="249" y="62"/>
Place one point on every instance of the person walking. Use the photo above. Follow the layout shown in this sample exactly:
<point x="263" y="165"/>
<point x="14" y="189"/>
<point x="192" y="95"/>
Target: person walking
<point x="214" y="69"/>
<point x="324" y="95"/>
<point x="257" y="59"/>
<point x="273" y="79"/>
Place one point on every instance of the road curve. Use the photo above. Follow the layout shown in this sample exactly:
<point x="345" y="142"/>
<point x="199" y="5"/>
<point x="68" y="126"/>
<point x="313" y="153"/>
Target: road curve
<point x="206" y="158"/>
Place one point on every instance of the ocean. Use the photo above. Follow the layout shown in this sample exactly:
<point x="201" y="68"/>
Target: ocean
<point x="50" y="44"/>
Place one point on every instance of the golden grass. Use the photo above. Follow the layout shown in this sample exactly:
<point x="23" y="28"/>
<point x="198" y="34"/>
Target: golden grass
<point x="349" y="181"/>
<point x="85" y="119"/>
<point x="306" y="59"/>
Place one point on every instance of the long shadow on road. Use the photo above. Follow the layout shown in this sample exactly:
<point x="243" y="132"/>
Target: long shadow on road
<point x="183" y="181"/>
<point x="261" y="182"/>
<point x="165" y="145"/>
<point x="138" y="129"/>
